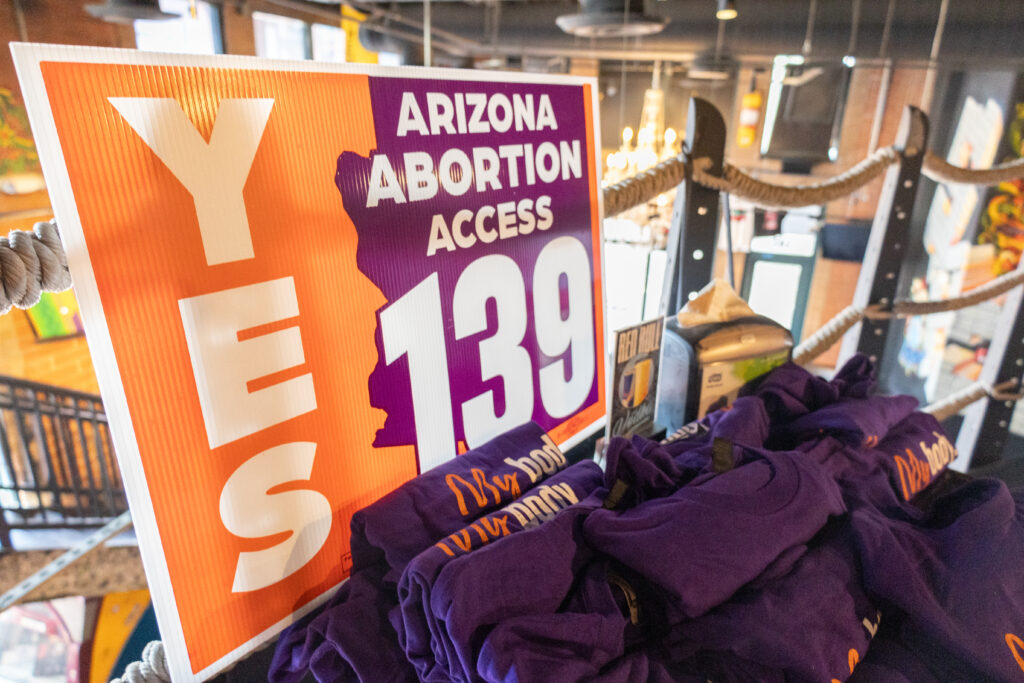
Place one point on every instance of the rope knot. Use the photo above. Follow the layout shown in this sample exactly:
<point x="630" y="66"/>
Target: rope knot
<point x="31" y="263"/>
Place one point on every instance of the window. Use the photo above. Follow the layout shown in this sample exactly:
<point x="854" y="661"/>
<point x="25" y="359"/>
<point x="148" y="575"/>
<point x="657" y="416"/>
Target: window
<point x="328" y="43"/>
<point x="200" y="35"/>
<point x="280" y="37"/>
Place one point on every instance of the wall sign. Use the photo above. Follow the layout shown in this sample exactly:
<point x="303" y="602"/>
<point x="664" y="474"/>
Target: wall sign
<point x="303" y="283"/>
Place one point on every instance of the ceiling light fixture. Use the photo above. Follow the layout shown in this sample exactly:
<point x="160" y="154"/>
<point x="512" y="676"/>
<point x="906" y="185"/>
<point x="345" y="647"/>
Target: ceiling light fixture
<point x="611" y="19"/>
<point x="127" y="11"/>
<point x="726" y="10"/>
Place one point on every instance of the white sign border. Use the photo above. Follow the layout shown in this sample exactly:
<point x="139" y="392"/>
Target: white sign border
<point x="27" y="59"/>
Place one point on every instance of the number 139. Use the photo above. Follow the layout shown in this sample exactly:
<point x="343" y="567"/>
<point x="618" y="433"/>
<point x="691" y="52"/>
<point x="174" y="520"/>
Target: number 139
<point x="413" y="326"/>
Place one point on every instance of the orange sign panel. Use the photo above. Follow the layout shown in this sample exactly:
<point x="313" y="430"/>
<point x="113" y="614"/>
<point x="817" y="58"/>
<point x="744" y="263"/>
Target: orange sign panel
<point x="301" y="285"/>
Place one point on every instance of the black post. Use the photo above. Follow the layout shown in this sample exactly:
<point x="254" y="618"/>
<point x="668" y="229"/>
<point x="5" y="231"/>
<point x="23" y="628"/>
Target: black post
<point x="5" y="532"/>
<point x="694" y="228"/>
<point x="987" y="422"/>
<point x="883" y="259"/>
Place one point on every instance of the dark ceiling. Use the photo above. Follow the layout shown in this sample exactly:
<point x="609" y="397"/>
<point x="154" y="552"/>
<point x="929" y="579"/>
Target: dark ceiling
<point x="979" y="32"/>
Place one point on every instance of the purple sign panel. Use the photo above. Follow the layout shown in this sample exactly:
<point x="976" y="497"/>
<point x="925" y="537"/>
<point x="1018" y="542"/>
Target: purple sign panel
<point x="478" y="218"/>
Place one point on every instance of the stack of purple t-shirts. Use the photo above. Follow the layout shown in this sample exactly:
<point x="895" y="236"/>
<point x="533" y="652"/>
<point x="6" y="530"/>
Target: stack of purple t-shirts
<point x="771" y="544"/>
<point x="684" y="553"/>
<point x="951" y="582"/>
<point x="724" y="567"/>
<point x="552" y="602"/>
<point x="350" y="638"/>
<point x="425" y="616"/>
<point x="451" y="601"/>
<point x="947" y="582"/>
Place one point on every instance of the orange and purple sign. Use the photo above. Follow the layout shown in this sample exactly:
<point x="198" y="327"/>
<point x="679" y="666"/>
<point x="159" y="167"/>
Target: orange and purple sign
<point x="301" y="285"/>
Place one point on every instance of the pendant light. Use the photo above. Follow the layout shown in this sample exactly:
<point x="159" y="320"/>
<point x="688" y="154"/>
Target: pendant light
<point x="726" y="10"/>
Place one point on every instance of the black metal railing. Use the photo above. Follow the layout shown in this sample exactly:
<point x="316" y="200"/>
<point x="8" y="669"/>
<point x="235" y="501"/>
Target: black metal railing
<point x="57" y="464"/>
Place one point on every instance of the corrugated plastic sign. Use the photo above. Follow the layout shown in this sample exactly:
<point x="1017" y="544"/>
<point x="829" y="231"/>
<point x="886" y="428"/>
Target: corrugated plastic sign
<point x="302" y="284"/>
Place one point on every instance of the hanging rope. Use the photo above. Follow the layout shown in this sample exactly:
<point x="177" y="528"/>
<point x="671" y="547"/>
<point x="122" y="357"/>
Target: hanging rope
<point x="151" y="669"/>
<point x="34" y="262"/>
<point x="834" y="329"/>
<point x="954" y="403"/>
<point x="650" y="183"/>
<point x="822" y="340"/>
<point x="644" y="186"/>
<point x="941" y="171"/>
<point x="989" y="290"/>
<point x="31" y="263"/>
<point x="736" y="182"/>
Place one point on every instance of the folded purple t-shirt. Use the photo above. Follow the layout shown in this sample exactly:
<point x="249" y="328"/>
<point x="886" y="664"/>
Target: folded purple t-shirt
<point x="432" y="637"/>
<point x="350" y="637"/>
<point x="952" y="580"/>
<point x="598" y="625"/>
<point x="917" y="451"/>
<point x="852" y="421"/>
<point x="789" y="391"/>
<point x="807" y="625"/>
<point x="709" y="538"/>
<point x="888" y="661"/>
<point x="444" y="499"/>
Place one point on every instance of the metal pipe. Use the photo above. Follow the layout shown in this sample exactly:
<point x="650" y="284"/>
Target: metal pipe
<point x="887" y="28"/>
<point x="426" y="33"/>
<point x="928" y="91"/>
<point x="809" y="35"/>
<point x="720" y="41"/>
<point x="412" y="37"/>
<point x="854" y="26"/>
<point x="376" y="13"/>
<point x="880" y="104"/>
<point x="495" y="21"/>
<point x="19" y="18"/>
<point x="730" y="267"/>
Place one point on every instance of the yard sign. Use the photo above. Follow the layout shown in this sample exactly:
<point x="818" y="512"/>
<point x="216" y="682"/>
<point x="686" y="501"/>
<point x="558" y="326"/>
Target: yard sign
<point x="302" y="284"/>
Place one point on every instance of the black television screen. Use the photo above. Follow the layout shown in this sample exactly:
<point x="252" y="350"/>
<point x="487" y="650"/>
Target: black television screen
<point x="804" y="111"/>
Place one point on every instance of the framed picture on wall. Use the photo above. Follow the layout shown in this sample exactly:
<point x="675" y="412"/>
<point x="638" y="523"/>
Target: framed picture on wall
<point x="56" y="316"/>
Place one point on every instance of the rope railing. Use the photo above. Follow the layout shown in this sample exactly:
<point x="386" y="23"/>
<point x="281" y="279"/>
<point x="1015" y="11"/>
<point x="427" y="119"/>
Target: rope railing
<point x="152" y="668"/>
<point x="739" y="184"/>
<point x="941" y="171"/>
<point x="831" y="332"/>
<point x="834" y="329"/>
<point x="989" y="290"/>
<point x="34" y="262"/>
<point x="31" y="263"/>
<point x="644" y="186"/>
<point x="648" y="184"/>
<point x="957" y="401"/>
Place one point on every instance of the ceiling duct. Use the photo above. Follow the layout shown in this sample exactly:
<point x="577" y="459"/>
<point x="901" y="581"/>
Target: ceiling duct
<point x="127" y="11"/>
<point x="611" y="19"/>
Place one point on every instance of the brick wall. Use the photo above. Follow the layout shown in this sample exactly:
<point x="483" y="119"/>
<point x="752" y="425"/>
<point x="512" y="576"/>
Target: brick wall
<point x="55" y="21"/>
<point x="63" y="362"/>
